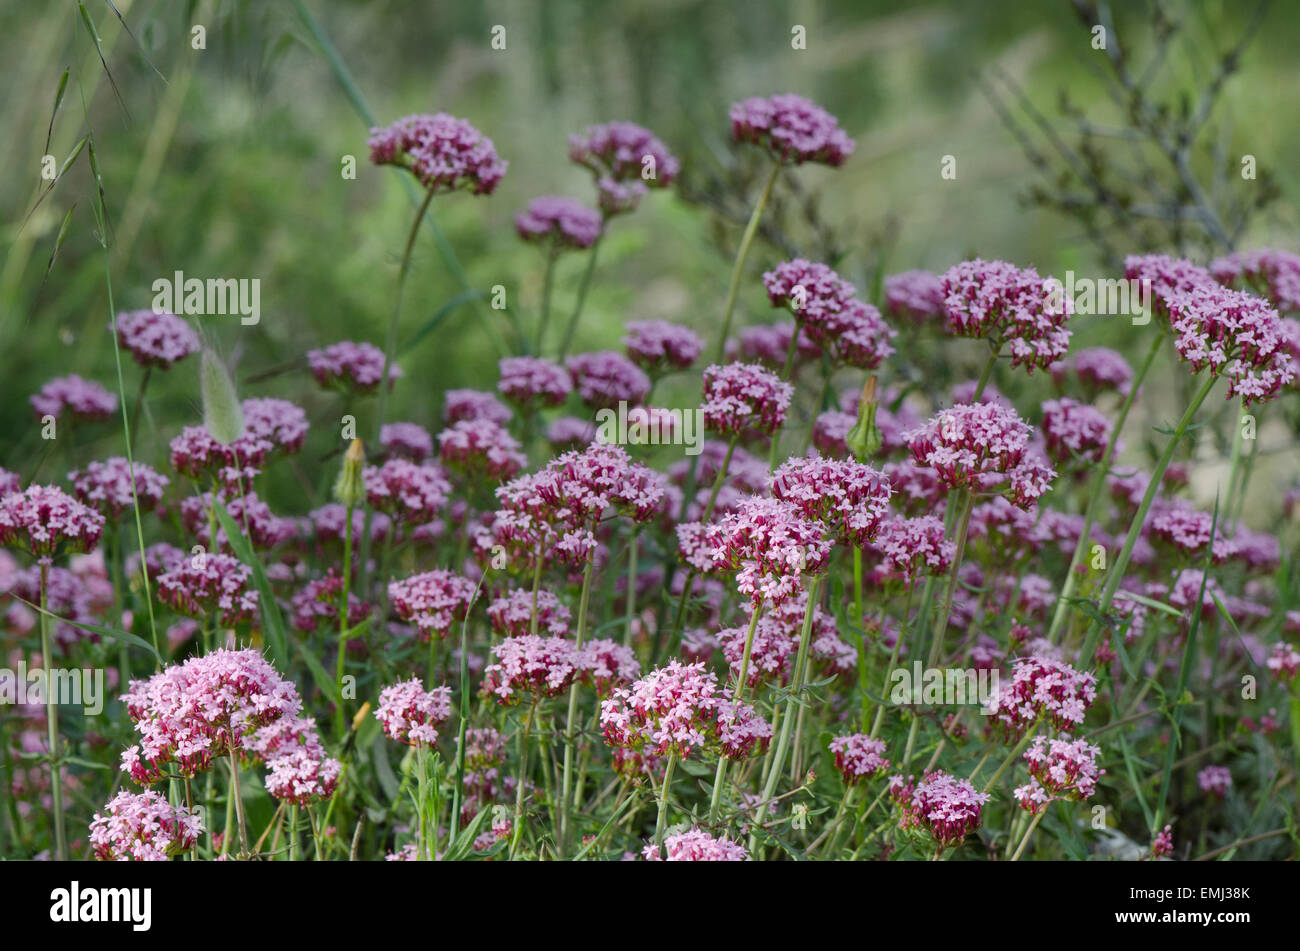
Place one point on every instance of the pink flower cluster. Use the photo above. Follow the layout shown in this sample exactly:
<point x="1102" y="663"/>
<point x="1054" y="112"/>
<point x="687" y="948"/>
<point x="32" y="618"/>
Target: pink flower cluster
<point x="533" y="381"/>
<point x="143" y="827"/>
<point x="1042" y="688"/>
<point x="1075" y="433"/>
<point x="792" y="128"/>
<point x="155" y="338"/>
<point x="318" y="602"/>
<point x="744" y="399"/>
<point x="606" y="378"/>
<point x="83" y="399"/>
<point x="1011" y="307"/>
<point x="479" y="447"/>
<point x="279" y="422"/>
<point x="444" y="153"/>
<point x="512" y="614"/>
<point x="696" y="845"/>
<point x="771" y="545"/>
<point x="411" y="493"/>
<point x="1269" y="272"/>
<point x="475" y="404"/>
<point x="859" y="757"/>
<point x="948" y="807"/>
<point x="626" y="159"/>
<point x="433" y="601"/>
<point x="530" y="664"/>
<point x="1058" y="769"/>
<point x="352" y="367"/>
<point x="210" y="584"/>
<point x="916" y="295"/>
<point x="298" y="770"/>
<point x="195" y="453"/>
<point x="912" y="547"/>
<point x="658" y="346"/>
<point x="848" y="498"/>
<point x="1215" y="780"/>
<point x="605" y="664"/>
<point x="564" y="223"/>
<point x="1096" y="370"/>
<point x="408" y="440"/>
<point x="44" y="520"/>
<point x="409" y="714"/>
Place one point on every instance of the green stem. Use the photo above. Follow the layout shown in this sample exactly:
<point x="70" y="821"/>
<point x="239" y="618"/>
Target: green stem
<point x="340" y="717"/>
<point x="547" y="283"/>
<point x="661" y="823"/>
<point x="963" y="526"/>
<point x="742" y="252"/>
<point x="778" y="760"/>
<point x="566" y="807"/>
<point x="52" y="723"/>
<point x="522" y="780"/>
<point x="569" y="331"/>
<point x="1038" y="817"/>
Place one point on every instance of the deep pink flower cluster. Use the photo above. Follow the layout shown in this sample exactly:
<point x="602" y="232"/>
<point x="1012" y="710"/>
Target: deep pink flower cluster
<point x="444" y="153"/>
<point x="1011" y="307"/>
<point x="564" y="223"/>
<point x="916" y="295"/>
<point x="1215" y="780"/>
<point x="771" y="545"/>
<point x="298" y="769"/>
<point x="982" y="447"/>
<point x="45" y="520"/>
<point x="83" y="399"/>
<point x="621" y="152"/>
<point x="658" y="346"/>
<point x="511" y="615"/>
<point x="912" y="547"/>
<point x="1058" y="769"/>
<point x="696" y="845"/>
<point x="1046" y="688"/>
<point x="189" y="715"/>
<point x="605" y="664"/>
<point x="848" y="498"/>
<point x="210" y="584"/>
<point x="279" y="422"/>
<point x="862" y="340"/>
<point x="606" y="377"/>
<point x="143" y="827"/>
<point x="947" y="806"/>
<point x="530" y="664"/>
<point x="1269" y="272"/>
<point x="331" y="522"/>
<point x="769" y="657"/>
<point x="411" y="493"/>
<point x="352" y="367"/>
<point x="317" y="602"/>
<point x="1096" y="370"/>
<point x="408" y="440"/>
<point x="197" y="454"/>
<point x="409" y="714"/>
<point x="1187" y="530"/>
<point x="533" y="381"/>
<point x="253" y="516"/>
<point x="744" y="398"/>
<point x="815" y="294"/>
<point x="677" y="709"/>
<point x="859" y="757"/>
<point x="479" y="447"/>
<point x="792" y="128"/>
<point x="1076" y="433"/>
<point x="475" y="404"/>
<point x="433" y="600"/>
<point x="769" y="344"/>
<point x="155" y="338"/>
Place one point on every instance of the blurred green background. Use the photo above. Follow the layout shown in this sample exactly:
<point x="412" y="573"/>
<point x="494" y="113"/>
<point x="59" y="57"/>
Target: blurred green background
<point x="231" y="167"/>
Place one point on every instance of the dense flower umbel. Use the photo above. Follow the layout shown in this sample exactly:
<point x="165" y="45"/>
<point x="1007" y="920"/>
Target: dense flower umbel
<point x="1011" y="307"/>
<point x="744" y="399"/>
<point x="279" y="422"/>
<point x="45" y="520"/>
<point x="298" y="770"/>
<point x="696" y="845"/>
<point x="318" y="602"/>
<point x="815" y="294"/>
<point x="1059" y="769"/>
<point x="769" y="344"/>
<point x="83" y="399"/>
<point x="263" y="528"/>
<point x="1215" y="780"/>
<point x="533" y="381"/>
<point x="143" y="827"/>
<point x="606" y="378"/>
<point x="433" y="601"/>
<point x="564" y="223"/>
<point x="155" y="338"/>
<point x="189" y="715"/>
<point x="409" y="714"/>
<point x="1042" y="687"/>
<point x="792" y="128"/>
<point x="658" y="346"/>
<point x="444" y="153"/>
<point x="512" y="614"/>
<point x="863" y="337"/>
<point x="530" y="664"/>
<point x="917" y="295"/>
<point x="624" y="151"/>
<point x="1267" y="271"/>
<point x="605" y="664"/>
<point x="210" y="584"/>
<point x="948" y="807"/>
<point x="479" y="447"/>
<point x="859" y="757"/>
<point x="1235" y="335"/>
<point x="982" y="447"/>
<point x="1096" y="369"/>
<point x="912" y="547"/>
<point x="410" y="492"/>
<point x="352" y="367"/>
<point x="197" y="454"/>
<point x="769" y="655"/>
<point x="408" y="440"/>
<point x="1075" y="433"/>
<point x="848" y="498"/>
<point x="678" y="709"/>
<point x="475" y="404"/>
<point x="771" y="545"/>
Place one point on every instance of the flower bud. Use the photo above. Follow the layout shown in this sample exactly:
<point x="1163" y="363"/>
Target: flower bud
<point x="864" y="438"/>
<point x="349" y="488"/>
<point x="222" y="415"/>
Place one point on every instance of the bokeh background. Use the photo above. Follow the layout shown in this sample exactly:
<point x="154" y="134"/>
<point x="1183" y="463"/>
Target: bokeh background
<point x="231" y="167"/>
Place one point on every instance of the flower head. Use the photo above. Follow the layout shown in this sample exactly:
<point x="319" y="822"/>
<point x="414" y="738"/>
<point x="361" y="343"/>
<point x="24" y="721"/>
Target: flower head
<point x="1059" y="769"/>
<point x="563" y="223"/>
<point x="433" y="600"/>
<point x="792" y="128"/>
<point x="1011" y="307"/>
<point x="849" y="498"/>
<point x="606" y="378"/>
<point x="744" y="398"/>
<point x="512" y="614"/>
<point x="210" y="584"/>
<point x="82" y="399"/>
<point x="620" y="152"/>
<point x="658" y="346"/>
<point x="409" y="714"/>
<point x="445" y="153"/>
<point x="44" y="520"/>
<point x="772" y="545"/>
<point x="530" y="664"/>
<point x="409" y="492"/>
<point x="696" y="845"/>
<point x="155" y="338"/>
<point x="143" y="827"/>
<point x="479" y="447"/>
<point x="859" y="757"/>
<point x="352" y="367"/>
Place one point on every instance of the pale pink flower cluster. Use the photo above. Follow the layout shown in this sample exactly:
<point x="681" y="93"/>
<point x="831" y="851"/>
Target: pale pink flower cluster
<point x="298" y="770"/>
<point x="744" y="398"/>
<point x="143" y="827"/>
<point x="770" y="652"/>
<point x="792" y="128"/>
<point x="696" y="845"/>
<point x="605" y="378"/>
<point x="912" y="547"/>
<point x="511" y="615"/>
<point x="530" y="664"/>
<point x="848" y="498"/>
<point x="534" y="381"/>
<point x="433" y="600"/>
<point x="354" y="367"/>
<point x="605" y="664"/>
<point x="1042" y="688"/>
<point x="445" y="153"/>
<point x="155" y="338"/>
<point x="410" y="714"/>
<point x="658" y="346"/>
<point x="479" y="447"/>
<point x="1011" y="307"/>
<point x="1284" y="661"/>
<point x="771" y="546"/>
<point x="83" y="399"/>
<point x="45" y="520"/>
<point x="1058" y="769"/>
<point x="1269" y="272"/>
<point x="1215" y="780"/>
<point x="678" y="709"/>
<point x="859" y="757"/>
<point x="410" y="492"/>
<point x="190" y="714"/>
<point x="279" y="422"/>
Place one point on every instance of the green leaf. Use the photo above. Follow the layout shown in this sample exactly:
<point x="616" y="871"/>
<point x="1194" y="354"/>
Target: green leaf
<point x="110" y="632"/>
<point x="1149" y="602"/>
<point x="463" y="847"/>
<point x="58" y="101"/>
<point x="58" y="240"/>
<point x="271" y="619"/>
<point x="441" y="314"/>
